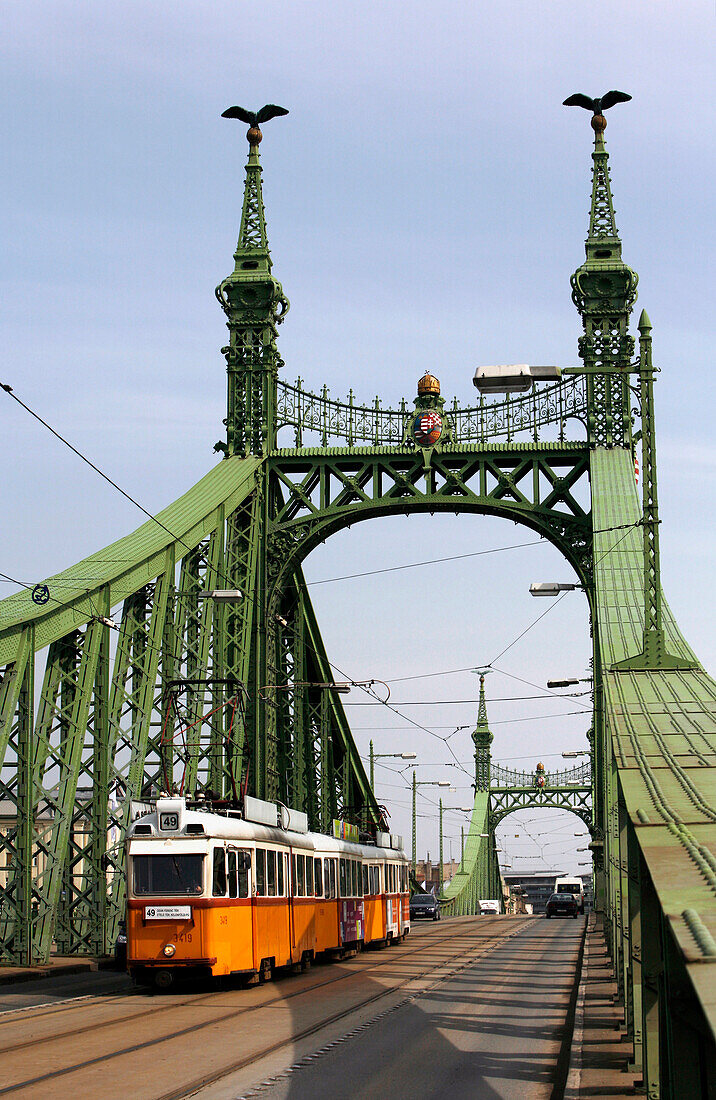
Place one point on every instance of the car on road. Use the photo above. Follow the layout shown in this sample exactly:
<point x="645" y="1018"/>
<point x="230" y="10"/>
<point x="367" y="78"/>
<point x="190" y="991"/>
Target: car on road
<point x="120" y="946"/>
<point x="572" y="885"/>
<point x="562" y="905"/>
<point x="424" y="905"/>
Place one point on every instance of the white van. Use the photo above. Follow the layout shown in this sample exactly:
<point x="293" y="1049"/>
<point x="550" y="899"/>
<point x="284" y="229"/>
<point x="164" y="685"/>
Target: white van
<point x="571" y="885"/>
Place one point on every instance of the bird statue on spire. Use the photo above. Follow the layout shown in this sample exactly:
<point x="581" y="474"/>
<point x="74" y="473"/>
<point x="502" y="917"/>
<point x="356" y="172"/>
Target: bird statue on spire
<point x="254" y="119"/>
<point x="597" y="106"/>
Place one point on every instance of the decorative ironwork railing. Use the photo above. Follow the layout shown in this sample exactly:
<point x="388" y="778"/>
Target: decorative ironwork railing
<point x="580" y="776"/>
<point x="371" y="424"/>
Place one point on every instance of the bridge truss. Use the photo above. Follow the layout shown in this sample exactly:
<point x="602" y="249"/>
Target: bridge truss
<point x="121" y="678"/>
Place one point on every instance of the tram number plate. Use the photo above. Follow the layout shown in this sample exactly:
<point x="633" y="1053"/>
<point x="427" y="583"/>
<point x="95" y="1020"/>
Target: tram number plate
<point x="167" y="912"/>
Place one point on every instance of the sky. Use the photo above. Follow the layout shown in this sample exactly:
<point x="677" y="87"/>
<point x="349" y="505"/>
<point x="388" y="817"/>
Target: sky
<point x="427" y="201"/>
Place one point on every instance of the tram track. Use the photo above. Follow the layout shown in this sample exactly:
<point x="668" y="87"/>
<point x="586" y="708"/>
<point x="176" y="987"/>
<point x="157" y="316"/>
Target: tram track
<point x="174" y="1005"/>
<point x="426" y="946"/>
<point x="186" y="1092"/>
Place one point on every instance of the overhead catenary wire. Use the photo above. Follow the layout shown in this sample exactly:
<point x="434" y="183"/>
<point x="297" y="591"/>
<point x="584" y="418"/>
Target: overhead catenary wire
<point x="446" y="702"/>
<point x="420" y="564"/>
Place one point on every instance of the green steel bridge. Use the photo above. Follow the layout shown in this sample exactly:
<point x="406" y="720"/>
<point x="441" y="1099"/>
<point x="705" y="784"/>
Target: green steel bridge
<point x="121" y="678"/>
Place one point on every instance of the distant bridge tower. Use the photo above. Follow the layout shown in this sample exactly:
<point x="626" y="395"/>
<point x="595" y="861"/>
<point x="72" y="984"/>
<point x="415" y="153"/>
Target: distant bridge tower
<point x="482" y="738"/>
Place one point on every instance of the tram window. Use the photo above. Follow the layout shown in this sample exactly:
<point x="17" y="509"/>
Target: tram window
<point x="318" y="878"/>
<point x="159" y="875"/>
<point x="218" y="887"/>
<point x="354" y="877"/>
<point x="244" y="862"/>
<point x="309" y="877"/>
<point x="294" y="878"/>
<point x="301" y="860"/>
<point x="280" y="862"/>
<point x="261" y="872"/>
<point x="331" y="877"/>
<point x="391" y="878"/>
<point x="231" y="867"/>
<point x="342" y="878"/>
<point x="271" y="873"/>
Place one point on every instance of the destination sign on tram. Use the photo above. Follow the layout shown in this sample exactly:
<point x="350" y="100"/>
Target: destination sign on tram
<point x="167" y="912"/>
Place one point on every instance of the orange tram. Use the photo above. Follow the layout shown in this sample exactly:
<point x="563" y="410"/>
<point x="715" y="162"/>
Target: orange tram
<point x="242" y="892"/>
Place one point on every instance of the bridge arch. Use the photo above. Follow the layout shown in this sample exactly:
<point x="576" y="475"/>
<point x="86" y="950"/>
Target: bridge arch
<point x="584" y="813"/>
<point x="299" y="526"/>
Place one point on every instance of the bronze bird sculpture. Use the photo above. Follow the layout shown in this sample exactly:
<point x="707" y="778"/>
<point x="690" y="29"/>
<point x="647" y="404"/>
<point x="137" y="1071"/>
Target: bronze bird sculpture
<point x="597" y="106"/>
<point x="254" y="118"/>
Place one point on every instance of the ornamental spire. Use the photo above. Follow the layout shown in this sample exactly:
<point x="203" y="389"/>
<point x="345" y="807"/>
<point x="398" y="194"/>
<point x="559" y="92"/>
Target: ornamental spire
<point x="604" y="290"/>
<point x="482" y="738"/>
<point x="254" y="303"/>
<point x="602" y="224"/>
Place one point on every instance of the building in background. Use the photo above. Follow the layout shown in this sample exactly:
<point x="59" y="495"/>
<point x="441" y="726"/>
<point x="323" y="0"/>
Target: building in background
<point x="536" y="886"/>
<point x="428" y="873"/>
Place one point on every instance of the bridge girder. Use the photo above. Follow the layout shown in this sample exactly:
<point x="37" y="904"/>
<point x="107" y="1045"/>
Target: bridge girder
<point x="576" y="800"/>
<point x="538" y="485"/>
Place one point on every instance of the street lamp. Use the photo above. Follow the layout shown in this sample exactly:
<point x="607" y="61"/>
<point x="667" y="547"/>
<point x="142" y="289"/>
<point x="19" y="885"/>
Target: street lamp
<point x="569" y="683"/>
<point x="325" y="685"/>
<point x="460" y="809"/>
<point x="576" y="752"/>
<point x="513" y="377"/>
<point x="551" y="588"/>
<point x="422" y="783"/>
<point x="386" y="756"/>
<point x="221" y="595"/>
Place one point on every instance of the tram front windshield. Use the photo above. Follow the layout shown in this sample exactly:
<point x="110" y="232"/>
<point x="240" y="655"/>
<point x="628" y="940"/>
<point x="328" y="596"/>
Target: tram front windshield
<point x="157" y="876"/>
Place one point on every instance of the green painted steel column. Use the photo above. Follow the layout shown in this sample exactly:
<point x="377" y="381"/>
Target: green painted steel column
<point x="94" y="858"/>
<point x="635" y="941"/>
<point x="442" y="875"/>
<point x="415" y="793"/>
<point x="654" y="652"/>
<point x="26" y="808"/>
<point x="652" y="990"/>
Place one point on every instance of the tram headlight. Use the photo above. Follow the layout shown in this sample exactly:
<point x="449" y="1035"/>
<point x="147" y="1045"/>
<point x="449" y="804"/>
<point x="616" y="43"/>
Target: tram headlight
<point x="169" y="949"/>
